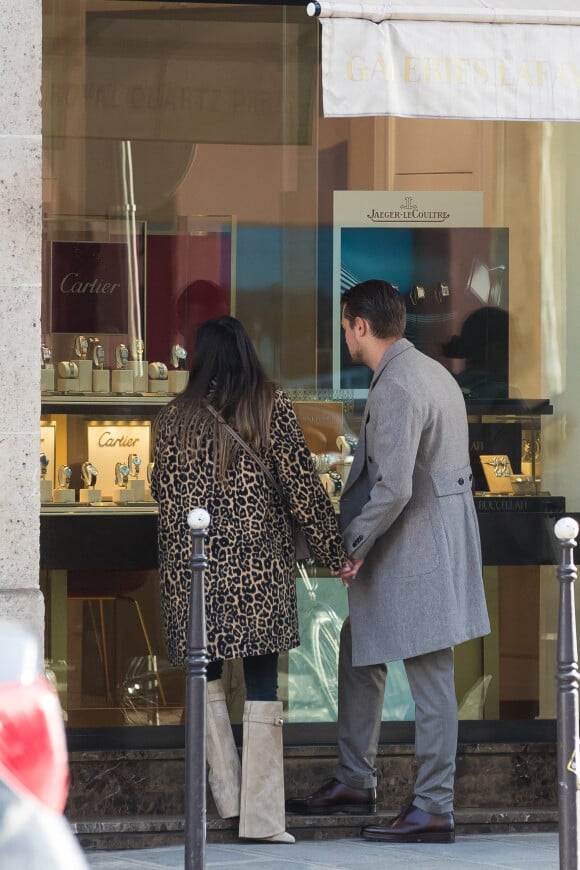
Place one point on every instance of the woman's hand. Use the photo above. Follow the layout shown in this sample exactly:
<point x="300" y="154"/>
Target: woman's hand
<point x="349" y="571"/>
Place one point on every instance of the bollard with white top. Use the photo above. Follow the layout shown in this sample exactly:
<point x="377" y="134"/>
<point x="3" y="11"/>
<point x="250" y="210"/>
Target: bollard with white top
<point x="195" y="691"/>
<point x="566" y="531"/>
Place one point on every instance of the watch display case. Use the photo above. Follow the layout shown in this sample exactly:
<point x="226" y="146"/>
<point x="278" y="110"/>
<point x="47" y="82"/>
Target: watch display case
<point x="516" y="513"/>
<point x="122" y="299"/>
<point x="99" y="553"/>
<point x="107" y="370"/>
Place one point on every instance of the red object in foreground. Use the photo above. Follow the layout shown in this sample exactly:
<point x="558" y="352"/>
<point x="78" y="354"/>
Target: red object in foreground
<point x="33" y="753"/>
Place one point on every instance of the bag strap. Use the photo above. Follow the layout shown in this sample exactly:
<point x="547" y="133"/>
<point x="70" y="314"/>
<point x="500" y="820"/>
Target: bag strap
<point x="251" y="452"/>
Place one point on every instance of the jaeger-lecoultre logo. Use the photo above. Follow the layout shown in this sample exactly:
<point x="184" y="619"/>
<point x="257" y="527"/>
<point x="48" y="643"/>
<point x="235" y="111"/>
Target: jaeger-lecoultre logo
<point x="408" y="212"/>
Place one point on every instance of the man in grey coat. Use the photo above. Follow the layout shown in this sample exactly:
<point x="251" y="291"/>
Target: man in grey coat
<point x="415" y="583"/>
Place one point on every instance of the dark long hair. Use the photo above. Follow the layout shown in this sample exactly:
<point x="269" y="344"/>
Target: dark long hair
<point x="226" y="373"/>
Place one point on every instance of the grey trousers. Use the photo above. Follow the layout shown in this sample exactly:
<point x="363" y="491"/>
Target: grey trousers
<point x="360" y="703"/>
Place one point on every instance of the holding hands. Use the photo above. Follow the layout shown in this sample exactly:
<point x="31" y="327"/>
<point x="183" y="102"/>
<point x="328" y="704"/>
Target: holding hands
<point x="349" y="571"/>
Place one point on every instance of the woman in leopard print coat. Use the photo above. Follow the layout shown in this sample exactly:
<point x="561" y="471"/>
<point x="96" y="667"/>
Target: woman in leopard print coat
<point x="250" y="586"/>
<point x="250" y="589"/>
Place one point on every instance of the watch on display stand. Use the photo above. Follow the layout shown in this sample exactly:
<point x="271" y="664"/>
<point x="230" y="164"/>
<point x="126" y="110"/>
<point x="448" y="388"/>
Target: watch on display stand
<point x="89" y="494"/>
<point x="45" y="483"/>
<point x="149" y="472"/>
<point x="46" y="369"/>
<point x="138" y="366"/>
<point x="68" y="377"/>
<point x="101" y="376"/>
<point x="158" y="382"/>
<point x="136" y="483"/>
<point x="347" y="445"/>
<point x="84" y="365"/>
<point x="63" y="494"/>
<point x="177" y="380"/>
<point x="121" y="493"/>
<point x="122" y="376"/>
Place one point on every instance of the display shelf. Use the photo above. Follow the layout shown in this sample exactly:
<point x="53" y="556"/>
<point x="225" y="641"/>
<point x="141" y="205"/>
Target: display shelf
<point x="530" y="504"/>
<point x="506" y="408"/>
<point x="67" y="403"/>
<point x="96" y="510"/>
<point x="515" y="529"/>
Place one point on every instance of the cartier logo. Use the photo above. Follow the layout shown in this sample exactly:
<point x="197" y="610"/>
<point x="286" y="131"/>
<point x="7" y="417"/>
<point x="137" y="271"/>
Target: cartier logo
<point x="71" y="284"/>
<point x="108" y="440"/>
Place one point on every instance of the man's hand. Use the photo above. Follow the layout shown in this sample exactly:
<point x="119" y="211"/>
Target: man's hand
<point x="349" y="571"/>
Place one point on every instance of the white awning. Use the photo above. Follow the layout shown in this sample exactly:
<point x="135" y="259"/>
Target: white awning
<point x="504" y="59"/>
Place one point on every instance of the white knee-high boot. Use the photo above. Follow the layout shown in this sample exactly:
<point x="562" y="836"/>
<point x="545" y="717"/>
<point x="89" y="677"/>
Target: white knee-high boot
<point x="262" y="813"/>
<point x="222" y="754"/>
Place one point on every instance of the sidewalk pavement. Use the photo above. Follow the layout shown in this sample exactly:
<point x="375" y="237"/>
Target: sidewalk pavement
<point x="470" y="852"/>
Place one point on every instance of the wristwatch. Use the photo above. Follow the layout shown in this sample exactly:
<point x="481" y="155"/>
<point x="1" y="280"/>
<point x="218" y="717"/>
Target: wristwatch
<point x="134" y="463"/>
<point x="178" y="357"/>
<point x="44" y="463"/>
<point x="137" y="348"/>
<point x="121" y="474"/>
<point x="99" y="356"/>
<point x="89" y="473"/>
<point x="157" y="371"/>
<point x="81" y="346"/>
<point x="68" y="369"/>
<point x="121" y="356"/>
<point x="63" y="476"/>
<point x="45" y="355"/>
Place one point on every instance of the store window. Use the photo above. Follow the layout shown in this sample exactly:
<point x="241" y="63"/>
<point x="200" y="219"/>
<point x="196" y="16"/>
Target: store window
<point x="186" y="161"/>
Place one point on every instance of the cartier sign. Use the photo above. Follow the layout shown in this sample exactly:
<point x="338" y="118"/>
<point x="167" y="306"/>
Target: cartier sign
<point x="113" y="442"/>
<point x="90" y="287"/>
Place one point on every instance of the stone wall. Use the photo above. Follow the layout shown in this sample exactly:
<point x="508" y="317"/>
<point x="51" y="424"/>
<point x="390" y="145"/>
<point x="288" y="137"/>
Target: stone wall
<point x="20" y="284"/>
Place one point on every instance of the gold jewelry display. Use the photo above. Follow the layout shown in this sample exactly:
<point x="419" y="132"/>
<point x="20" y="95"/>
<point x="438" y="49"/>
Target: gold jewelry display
<point x="523" y="484"/>
<point x="121" y="474"/>
<point x="44" y="463"/>
<point x="89" y="474"/>
<point x="81" y="346"/>
<point x="64" y="475"/>
<point x="527" y="449"/>
<point x="501" y="466"/>
<point x="121" y="356"/>
<point x="498" y="473"/>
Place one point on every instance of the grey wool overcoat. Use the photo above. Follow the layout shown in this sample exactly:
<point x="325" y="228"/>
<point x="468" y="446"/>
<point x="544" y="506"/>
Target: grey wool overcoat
<point x="408" y="509"/>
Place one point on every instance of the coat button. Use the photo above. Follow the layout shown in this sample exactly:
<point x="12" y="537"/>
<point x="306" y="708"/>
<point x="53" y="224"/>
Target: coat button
<point x="471" y="476"/>
<point x="460" y="481"/>
<point x="370" y="459"/>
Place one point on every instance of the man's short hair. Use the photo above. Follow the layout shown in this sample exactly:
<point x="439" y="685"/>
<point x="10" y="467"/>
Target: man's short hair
<point x="380" y="304"/>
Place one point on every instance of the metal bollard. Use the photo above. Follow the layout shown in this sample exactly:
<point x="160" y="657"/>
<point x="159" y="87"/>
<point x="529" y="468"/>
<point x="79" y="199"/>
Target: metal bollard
<point x="566" y="531"/>
<point x="195" y="690"/>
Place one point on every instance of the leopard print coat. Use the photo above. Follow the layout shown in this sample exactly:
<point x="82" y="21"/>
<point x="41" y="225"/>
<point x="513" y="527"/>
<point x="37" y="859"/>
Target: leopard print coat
<point x="250" y="590"/>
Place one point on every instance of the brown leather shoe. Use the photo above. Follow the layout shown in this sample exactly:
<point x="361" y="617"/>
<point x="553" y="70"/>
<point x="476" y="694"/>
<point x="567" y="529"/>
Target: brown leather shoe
<point x="414" y="826"/>
<point x="333" y="798"/>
